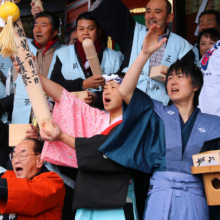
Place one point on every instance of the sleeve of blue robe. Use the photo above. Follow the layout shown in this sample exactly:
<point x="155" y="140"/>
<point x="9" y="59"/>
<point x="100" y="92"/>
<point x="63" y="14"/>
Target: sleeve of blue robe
<point x="139" y="142"/>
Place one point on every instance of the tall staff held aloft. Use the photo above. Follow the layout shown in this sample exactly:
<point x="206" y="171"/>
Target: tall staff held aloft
<point x="13" y="41"/>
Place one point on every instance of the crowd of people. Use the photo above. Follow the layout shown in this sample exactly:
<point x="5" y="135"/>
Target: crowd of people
<point x="133" y="136"/>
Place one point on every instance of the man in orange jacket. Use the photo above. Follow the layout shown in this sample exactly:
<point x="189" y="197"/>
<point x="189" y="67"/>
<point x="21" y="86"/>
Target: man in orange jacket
<point x="30" y="191"/>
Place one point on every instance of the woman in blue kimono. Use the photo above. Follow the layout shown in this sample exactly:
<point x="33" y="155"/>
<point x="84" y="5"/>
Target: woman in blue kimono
<point x="162" y="139"/>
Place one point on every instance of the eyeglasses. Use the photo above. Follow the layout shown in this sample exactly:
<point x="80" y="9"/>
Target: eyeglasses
<point x="22" y="156"/>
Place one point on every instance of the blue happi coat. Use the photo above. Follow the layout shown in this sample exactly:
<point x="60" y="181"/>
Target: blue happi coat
<point x="5" y="65"/>
<point x="152" y="139"/>
<point x="176" y="48"/>
<point x="117" y="21"/>
<point x="72" y="70"/>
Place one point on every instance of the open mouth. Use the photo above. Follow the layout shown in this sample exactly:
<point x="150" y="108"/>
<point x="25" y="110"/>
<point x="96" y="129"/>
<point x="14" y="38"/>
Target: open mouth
<point x="174" y="90"/>
<point x="152" y="22"/>
<point x="107" y="100"/>
<point x="18" y="170"/>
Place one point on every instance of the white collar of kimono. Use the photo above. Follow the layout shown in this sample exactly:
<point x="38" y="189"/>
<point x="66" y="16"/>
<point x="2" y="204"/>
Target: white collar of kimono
<point x="107" y="124"/>
<point x="113" y="77"/>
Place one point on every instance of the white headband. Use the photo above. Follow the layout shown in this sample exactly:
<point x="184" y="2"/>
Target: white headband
<point x="113" y="77"/>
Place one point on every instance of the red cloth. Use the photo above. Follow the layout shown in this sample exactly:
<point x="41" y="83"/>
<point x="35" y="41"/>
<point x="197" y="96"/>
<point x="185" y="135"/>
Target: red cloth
<point x="108" y="129"/>
<point x="49" y="44"/>
<point x="98" y="47"/>
<point x="37" y="199"/>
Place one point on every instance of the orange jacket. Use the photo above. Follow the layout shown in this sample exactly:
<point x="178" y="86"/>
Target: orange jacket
<point x="38" y="199"/>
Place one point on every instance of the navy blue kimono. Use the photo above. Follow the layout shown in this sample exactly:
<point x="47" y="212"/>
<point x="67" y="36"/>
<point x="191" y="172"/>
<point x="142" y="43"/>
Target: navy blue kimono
<point x="153" y="138"/>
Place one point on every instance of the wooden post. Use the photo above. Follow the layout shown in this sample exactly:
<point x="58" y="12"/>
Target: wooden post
<point x="92" y="57"/>
<point x="30" y="78"/>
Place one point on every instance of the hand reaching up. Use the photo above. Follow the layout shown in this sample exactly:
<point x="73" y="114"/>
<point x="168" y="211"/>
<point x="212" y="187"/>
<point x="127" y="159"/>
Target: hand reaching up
<point x="151" y="41"/>
<point x="150" y="44"/>
<point x="35" y="9"/>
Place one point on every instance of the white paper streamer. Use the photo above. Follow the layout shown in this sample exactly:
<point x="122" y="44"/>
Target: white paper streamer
<point x="86" y="65"/>
<point x="197" y="31"/>
<point x="2" y="22"/>
<point x="9" y="83"/>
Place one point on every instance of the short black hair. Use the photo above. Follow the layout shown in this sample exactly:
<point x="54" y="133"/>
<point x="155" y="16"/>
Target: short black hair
<point x="169" y="7"/>
<point x="189" y="69"/>
<point x="38" y="145"/>
<point x="53" y="19"/>
<point x="212" y="33"/>
<point x="87" y="16"/>
<point x="211" y="12"/>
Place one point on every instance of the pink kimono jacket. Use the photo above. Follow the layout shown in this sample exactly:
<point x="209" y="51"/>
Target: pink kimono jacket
<point x="77" y="119"/>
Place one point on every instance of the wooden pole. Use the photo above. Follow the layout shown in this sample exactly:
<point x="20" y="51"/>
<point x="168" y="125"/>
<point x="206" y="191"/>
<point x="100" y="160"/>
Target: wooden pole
<point x="38" y="3"/>
<point x="92" y="57"/>
<point x="30" y="78"/>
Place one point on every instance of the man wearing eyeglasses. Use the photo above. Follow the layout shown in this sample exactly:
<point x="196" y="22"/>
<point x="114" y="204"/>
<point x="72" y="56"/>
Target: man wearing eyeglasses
<point x="30" y="190"/>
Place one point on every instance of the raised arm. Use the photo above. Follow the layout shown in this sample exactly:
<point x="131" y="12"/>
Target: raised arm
<point x="150" y="45"/>
<point x="52" y="89"/>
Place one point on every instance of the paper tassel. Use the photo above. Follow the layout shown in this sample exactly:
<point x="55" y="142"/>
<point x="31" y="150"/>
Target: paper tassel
<point x="7" y="40"/>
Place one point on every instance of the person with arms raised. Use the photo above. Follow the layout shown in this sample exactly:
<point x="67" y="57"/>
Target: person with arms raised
<point x="118" y="23"/>
<point x="162" y="139"/>
<point x="73" y="119"/>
